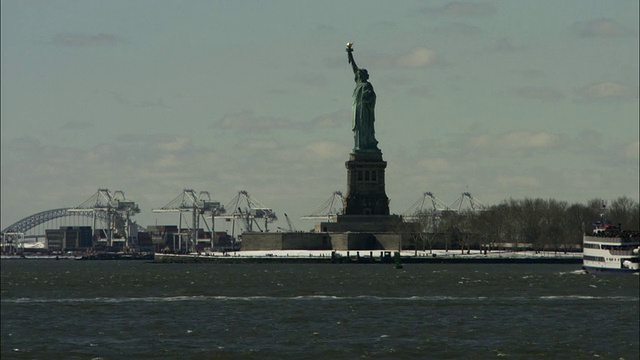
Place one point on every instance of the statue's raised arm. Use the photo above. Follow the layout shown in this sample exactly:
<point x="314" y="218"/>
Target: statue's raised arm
<point x="350" y="57"/>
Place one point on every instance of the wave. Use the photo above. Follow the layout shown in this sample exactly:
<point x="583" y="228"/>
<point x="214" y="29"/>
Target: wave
<point x="368" y="298"/>
<point x="587" y="297"/>
<point x="574" y="272"/>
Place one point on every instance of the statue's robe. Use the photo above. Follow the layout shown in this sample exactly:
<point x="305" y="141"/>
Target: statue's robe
<point x="364" y="102"/>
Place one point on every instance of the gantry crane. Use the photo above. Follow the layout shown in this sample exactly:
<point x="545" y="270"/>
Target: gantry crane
<point x="474" y="203"/>
<point x="427" y="203"/>
<point x="200" y="207"/>
<point x="329" y="210"/>
<point x="118" y="212"/>
<point x="248" y="211"/>
<point x="289" y="224"/>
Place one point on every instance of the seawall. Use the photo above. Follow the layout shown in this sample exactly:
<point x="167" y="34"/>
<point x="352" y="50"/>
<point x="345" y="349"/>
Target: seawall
<point x="368" y="257"/>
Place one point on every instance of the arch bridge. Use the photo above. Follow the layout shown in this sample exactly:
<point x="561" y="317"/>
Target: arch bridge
<point x="34" y="222"/>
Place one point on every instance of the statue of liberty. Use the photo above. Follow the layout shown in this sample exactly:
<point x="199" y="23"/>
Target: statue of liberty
<point x="364" y="103"/>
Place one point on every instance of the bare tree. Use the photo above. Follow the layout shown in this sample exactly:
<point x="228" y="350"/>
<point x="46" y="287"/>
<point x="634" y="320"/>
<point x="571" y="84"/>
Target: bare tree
<point x="579" y="217"/>
<point x="428" y="223"/>
<point x="554" y="224"/>
<point x="529" y="216"/>
<point x="542" y="223"/>
<point x="621" y="211"/>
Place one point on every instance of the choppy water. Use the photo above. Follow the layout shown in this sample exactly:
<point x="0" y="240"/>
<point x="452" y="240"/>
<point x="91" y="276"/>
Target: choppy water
<point x="133" y="309"/>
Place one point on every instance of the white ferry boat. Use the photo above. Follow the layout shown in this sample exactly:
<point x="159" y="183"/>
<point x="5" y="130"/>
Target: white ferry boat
<point x="609" y="249"/>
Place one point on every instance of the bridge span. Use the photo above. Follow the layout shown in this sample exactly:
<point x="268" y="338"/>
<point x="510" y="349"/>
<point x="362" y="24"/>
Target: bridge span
<point x="34" y="226"/>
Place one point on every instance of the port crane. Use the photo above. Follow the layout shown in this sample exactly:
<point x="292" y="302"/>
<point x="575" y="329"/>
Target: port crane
<point x="200" y="206"/>
<point x="329" y="210"/>
<point x="291" y="227"/>
<point x="118" y="212"/>
<point x="427" y="203"/>
<point x="473" y="202"/>
<point x="248" y="211"/>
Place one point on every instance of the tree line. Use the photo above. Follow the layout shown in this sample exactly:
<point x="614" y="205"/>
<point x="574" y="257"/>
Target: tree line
<point x="537" y="224"/>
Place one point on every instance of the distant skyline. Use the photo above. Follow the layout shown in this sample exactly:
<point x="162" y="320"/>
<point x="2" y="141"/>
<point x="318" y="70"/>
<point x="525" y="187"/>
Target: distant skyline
<point x="502" y="99"/>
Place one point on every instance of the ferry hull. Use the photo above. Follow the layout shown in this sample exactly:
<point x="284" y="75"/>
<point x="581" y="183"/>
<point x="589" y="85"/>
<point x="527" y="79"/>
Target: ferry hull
<point x="604" y="270"/>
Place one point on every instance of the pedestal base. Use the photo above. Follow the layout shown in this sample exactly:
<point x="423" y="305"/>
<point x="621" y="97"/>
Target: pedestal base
<point x="365" y="185"/>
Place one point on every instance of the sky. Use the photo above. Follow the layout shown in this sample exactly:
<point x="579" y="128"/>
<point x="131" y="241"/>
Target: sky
<point x="501" y="99"/>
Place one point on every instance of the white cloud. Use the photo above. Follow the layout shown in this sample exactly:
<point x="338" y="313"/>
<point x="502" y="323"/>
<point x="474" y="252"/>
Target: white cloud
<point x="503" y="44"/>
<point x="77" y="125"/>
<point x="324" y="150"/>
<point x="153" y="170"/>
<point x="435" y="164"/>
<point x="526" y="139"/>
<point x="256" y="145"/>
<point x="631" y="150"/>
<point x="248" y="121"/>
<point x="416" y="58"/>
<point x="542" y="93"/>
<point x="463" y="9"/>
<point x="179" y="143"/>
<point x="605" y="28"/>
<point x="518" y="181"/>
<point x="168" y="161"/>
<point x="608" y="90"/>
<point x="140" y="103"/>
<point x="332" y="120"/>
<point x="515" y="140"/>
<point x="459" y="29"/>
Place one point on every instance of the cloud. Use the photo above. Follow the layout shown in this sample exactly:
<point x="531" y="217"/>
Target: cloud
<point x="84" y="40"/>
<point x="518" y="181"/>
<point x="457" y="28"/>
<point x="324" y="150"/>
<point x="601" y="28"/>
<point x="463" y="9"/>
<point x="177" y="144"/>
<point x="419" y="91"/>
<point x="126" y="100"/>
<point x="259" y="146"/>
<point x="436" y="164"/>
<point x="295" y="178"/>
<point x="631" y="150"/>
<point x="516" y="164"/>
<point x="416" y="58"/>
<point x="247" y="120"/>
<point x="539" y="93"/>
<point x="168" y="161"/>
<point x="607" y="90"/>
<point x="504" y="44"/>
<point x="521" y="146"/>
<point x="309" y="79"/>
<point x="530" y="73"/>
<point x="153" y="169"/>
<point x="509" y="143"/>
<point x="527" y="139"/>
<point x="620" y="151"/>
<point x="335" y="119"/>
<point x="77" y="125"/>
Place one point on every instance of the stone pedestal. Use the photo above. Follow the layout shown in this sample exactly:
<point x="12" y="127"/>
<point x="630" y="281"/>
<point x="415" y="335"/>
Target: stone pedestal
<point x="365" y="185"/>
<point x="362" y="223"/>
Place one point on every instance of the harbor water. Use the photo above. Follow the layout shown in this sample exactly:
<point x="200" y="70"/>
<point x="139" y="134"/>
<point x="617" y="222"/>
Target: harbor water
<point x="71" y="309"/>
